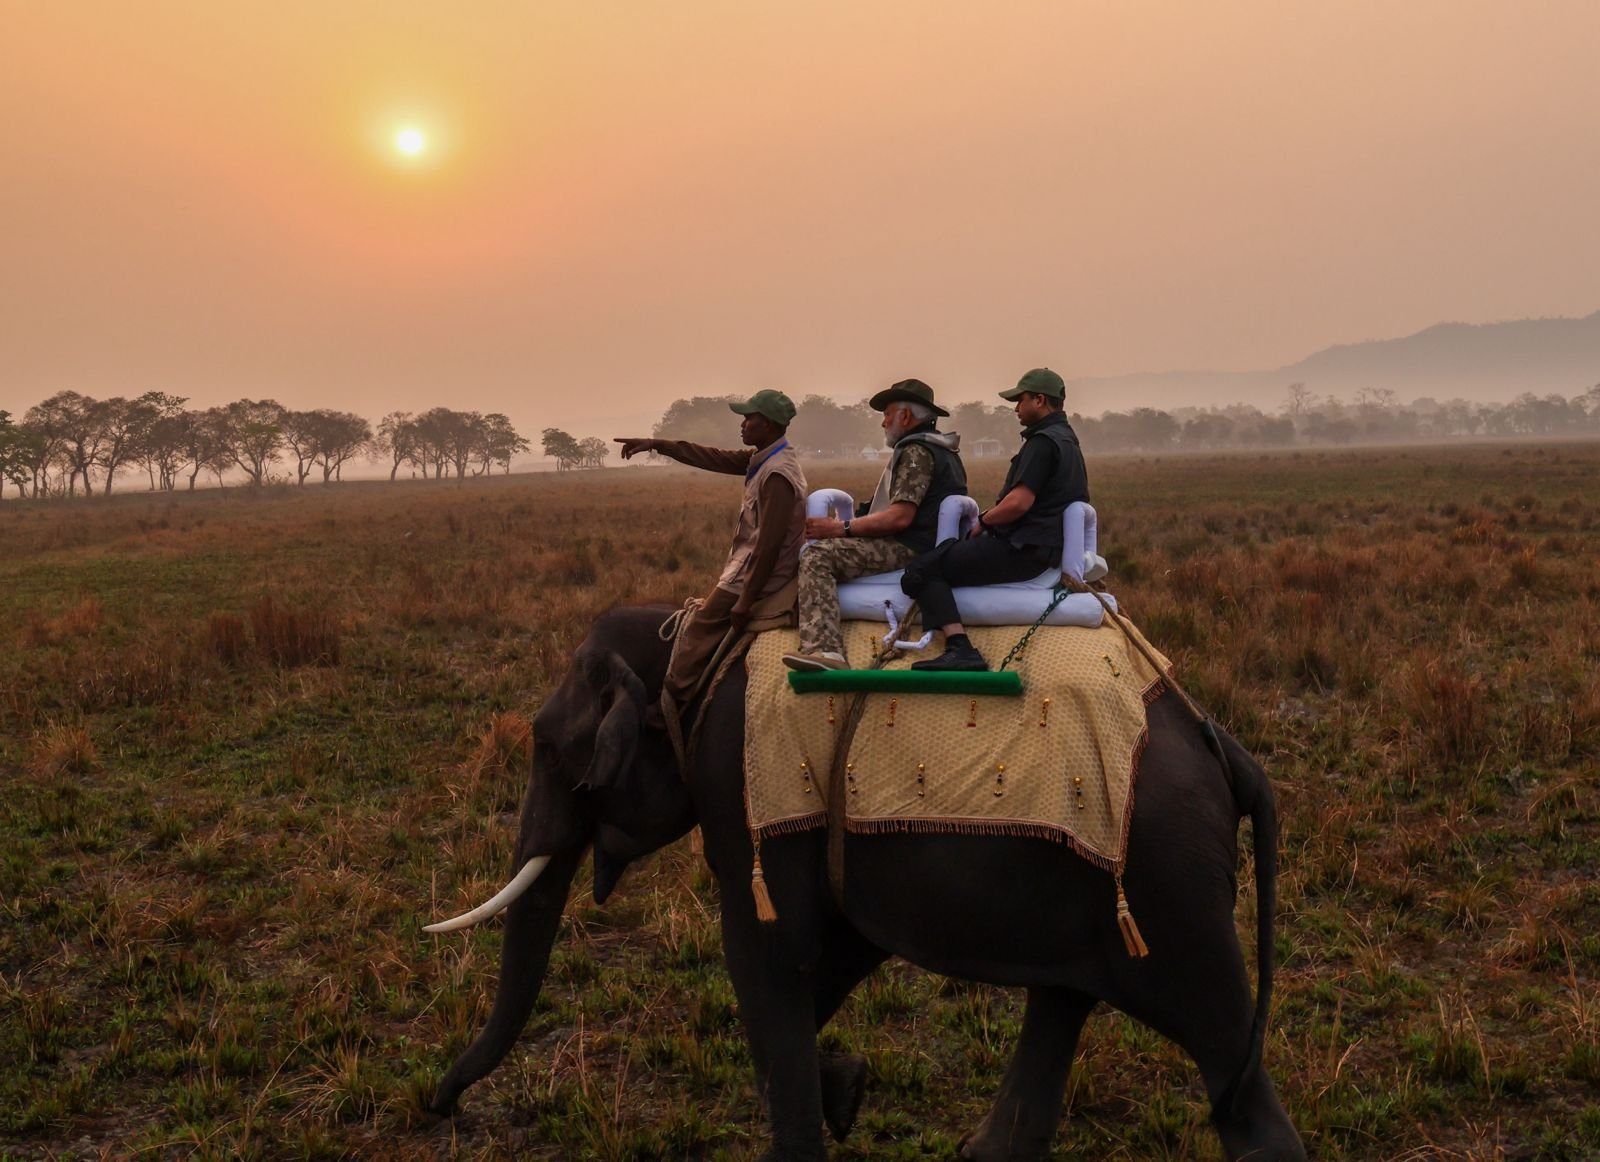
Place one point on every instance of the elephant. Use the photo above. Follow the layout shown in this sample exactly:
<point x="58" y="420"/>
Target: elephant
<point x="1018" y="912"/>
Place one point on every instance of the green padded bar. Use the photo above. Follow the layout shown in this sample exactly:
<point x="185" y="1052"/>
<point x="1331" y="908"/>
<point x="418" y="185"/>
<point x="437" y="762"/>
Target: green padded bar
<point x="1007" y="682"/>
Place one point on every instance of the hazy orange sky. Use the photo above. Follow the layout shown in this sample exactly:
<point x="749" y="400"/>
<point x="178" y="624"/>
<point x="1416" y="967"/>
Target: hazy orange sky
<point x="626" y="202"/>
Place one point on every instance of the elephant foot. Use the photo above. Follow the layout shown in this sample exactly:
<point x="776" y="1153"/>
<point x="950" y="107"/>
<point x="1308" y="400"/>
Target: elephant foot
<point x="844" y="1084"/>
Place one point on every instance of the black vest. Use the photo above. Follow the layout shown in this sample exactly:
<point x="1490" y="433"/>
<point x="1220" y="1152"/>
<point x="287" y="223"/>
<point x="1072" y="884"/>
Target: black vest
<point x="1069" y="481"/>
<point x="949" y="479"/>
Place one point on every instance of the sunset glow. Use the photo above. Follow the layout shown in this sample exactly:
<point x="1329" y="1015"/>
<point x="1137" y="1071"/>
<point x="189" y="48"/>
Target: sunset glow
<point x="410" y="141"/>
<point x="579" y="216"/>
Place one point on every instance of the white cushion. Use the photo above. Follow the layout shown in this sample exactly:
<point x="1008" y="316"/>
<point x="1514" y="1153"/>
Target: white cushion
<point x="1014" y="603"/>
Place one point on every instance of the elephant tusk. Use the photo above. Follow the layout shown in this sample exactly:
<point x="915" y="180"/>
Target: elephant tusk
<point x="503" y="899"/>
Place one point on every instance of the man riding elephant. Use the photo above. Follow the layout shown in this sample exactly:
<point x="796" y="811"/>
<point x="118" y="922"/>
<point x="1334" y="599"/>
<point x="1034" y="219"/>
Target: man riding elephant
<point x="1021" y="536"/>
<point x="757" y="585"/>
<point x="1003" y="909"/>
<point x="900" y="522"/>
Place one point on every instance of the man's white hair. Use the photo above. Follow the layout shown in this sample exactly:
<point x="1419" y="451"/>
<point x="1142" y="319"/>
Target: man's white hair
<point x="920" y="412"/>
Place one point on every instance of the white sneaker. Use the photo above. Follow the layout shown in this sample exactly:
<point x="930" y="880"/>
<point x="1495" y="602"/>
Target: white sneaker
<point x="828" y="660"/>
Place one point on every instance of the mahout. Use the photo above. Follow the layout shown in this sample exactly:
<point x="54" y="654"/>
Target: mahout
<point x="1007" y="911"/>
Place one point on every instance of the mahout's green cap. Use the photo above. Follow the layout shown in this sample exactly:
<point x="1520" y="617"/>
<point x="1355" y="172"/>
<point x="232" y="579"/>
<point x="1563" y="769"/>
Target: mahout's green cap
<point x="1039" y="381"/>
<point x="776" y="406"/>
<point x="906" y="391"/>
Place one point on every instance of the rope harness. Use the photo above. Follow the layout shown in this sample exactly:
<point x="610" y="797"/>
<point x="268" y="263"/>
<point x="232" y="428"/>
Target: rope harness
<point x="1208" y="728"/>
<point x="837" y="791"/>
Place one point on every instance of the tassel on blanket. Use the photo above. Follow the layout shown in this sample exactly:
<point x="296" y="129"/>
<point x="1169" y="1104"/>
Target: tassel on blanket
<point x="1130" y="929"/>
<point x="765" y="912"/>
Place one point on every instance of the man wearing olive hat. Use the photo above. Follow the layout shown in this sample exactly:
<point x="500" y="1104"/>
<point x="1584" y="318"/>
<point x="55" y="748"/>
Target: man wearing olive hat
<point x="901" y="520"/>
<point x="1021" y="536"/>
<point x="757" y="584"/>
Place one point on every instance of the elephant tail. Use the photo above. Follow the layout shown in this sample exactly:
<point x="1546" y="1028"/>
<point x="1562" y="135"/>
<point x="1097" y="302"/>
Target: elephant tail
<point x="1252" y="793"/>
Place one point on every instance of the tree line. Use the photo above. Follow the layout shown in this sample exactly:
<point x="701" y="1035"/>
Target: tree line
<point x="570" y="452"/>
<point x="825" y="427"/>
<point x="72" y="439"/>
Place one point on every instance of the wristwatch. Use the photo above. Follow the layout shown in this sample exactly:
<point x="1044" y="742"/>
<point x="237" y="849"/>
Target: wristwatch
<point x="847" y="531"/>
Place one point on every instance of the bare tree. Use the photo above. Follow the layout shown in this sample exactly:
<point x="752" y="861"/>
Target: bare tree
<point x="1301" y="400"/>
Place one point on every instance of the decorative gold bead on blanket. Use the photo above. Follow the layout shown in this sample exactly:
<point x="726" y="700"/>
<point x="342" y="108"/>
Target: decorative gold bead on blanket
<point x="1077" y="791"/>
<point x="999" y="779"/>
<point x="1115" y="673"/>
<point x="922" y="779"/>
<point x="850" y="777"/>
<point x="805" y="775"/>
<point x="830" y="709"/>
<point x="972" y="713"/>
<point x="894" y="704"/>
<point x="1044" y="713"/>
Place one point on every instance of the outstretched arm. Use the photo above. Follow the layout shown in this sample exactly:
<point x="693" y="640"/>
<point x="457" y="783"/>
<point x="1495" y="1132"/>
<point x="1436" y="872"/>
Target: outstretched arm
<point x="684" y="452"/>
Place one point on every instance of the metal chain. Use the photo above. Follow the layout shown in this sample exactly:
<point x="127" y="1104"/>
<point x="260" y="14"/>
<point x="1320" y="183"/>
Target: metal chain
<point x="1061" y="592"/>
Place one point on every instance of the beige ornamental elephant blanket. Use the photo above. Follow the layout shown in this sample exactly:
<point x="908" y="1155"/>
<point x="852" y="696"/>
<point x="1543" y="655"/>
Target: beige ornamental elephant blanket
<point x="1057" y="763"/>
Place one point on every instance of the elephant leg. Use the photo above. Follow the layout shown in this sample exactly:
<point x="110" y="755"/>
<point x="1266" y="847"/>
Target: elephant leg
<point x="1027" y="1110"/>
<point x="1205" y="1007"/>
<point x="847" y="959"/>
<point x="777" y="1003"/>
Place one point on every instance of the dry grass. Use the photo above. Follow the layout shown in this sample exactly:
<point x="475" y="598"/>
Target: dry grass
<point x="61" y="749"/>
<point x="252" y="742"/>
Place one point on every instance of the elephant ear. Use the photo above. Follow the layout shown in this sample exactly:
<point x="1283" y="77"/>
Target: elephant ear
<point x="620" y="697"/>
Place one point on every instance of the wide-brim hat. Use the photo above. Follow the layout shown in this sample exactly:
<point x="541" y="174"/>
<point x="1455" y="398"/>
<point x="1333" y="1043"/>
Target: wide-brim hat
<point x="906" y="391"/>
<point x="1039" y="381"/>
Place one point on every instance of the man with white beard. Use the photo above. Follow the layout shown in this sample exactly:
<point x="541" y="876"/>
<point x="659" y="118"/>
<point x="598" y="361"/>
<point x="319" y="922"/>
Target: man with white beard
<point x="901" y="521"/>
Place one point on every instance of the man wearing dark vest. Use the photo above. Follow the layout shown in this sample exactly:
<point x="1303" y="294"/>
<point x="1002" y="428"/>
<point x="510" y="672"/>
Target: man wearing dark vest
<point x="1021" y="536"/>
<point x="757" y="584"/>
<point x="900" y="522"/>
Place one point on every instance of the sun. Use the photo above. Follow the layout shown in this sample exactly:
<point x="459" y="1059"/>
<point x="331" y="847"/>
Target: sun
<point x="410" y="141"/>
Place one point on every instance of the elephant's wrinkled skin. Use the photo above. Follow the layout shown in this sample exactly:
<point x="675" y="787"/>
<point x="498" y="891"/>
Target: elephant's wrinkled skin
<point x="1019" y="912"/>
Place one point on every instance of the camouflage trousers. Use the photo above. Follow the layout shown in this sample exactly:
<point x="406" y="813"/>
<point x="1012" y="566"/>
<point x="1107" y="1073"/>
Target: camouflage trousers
<point x="825" y="564"/>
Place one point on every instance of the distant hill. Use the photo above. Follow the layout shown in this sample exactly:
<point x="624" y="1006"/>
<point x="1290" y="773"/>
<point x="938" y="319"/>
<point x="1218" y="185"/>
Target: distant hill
<point x="1482" y="362"/>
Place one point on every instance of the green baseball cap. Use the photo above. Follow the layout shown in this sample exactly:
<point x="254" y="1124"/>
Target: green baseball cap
<point x="776" y="406"/>
<point x="1039" y="381"/>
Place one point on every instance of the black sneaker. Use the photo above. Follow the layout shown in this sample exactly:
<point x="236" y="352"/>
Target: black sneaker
<point x="954" y="658"/>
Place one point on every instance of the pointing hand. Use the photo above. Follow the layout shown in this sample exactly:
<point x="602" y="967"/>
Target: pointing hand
<point x="633" y="445"/>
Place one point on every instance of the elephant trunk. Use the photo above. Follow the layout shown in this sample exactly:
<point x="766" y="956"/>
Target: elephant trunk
<point x="532" y="921"/>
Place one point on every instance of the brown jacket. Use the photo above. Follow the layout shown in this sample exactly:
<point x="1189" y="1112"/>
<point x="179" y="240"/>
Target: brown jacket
<point x="764" y="559"/>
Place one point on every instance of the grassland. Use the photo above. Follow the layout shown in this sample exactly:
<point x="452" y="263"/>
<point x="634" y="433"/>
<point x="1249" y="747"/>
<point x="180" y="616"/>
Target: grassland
<point x="251" y="742"/>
